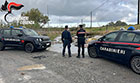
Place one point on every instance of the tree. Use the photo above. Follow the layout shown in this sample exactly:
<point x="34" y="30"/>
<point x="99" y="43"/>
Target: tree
<point x="111" y="24"/>
<point x="118" y="23"/>
<point x="36" y="16"/>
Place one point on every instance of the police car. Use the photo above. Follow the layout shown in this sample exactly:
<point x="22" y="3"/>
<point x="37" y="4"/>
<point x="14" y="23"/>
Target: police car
<point x="23" y="37"/>
<point x="121" y="46"/>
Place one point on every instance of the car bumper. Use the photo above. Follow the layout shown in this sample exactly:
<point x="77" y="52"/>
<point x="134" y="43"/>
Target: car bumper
<point x="43" y="45"/>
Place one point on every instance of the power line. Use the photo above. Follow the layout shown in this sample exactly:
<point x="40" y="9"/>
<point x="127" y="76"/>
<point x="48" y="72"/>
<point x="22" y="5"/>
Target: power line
<point x="104" y="4"/>
<point x="114" y="9"/>
<point x="91" y="16"/>
<point x="111" y="11"/>
<point x="100" y="5"/>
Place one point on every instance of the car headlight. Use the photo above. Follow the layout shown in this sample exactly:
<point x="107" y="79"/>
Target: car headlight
<point x="39" y="40"/>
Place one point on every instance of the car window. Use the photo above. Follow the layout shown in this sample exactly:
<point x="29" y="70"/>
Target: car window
<point x="6" y="32"/>
<point x="127" y="37"/>
<point x="1" y="31"/>
<point x="137" y="38"/>
<point x="111" y="36"/>
<point x="16" y="32"/>
<point x="30" y="32"/>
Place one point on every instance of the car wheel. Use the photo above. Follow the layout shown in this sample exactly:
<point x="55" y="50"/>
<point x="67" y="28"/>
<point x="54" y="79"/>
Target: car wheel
<point x="92" y="52"/>
<point x="135" y="64"/>
<point x="1" y="46"/>
<point x="29" y="47"/>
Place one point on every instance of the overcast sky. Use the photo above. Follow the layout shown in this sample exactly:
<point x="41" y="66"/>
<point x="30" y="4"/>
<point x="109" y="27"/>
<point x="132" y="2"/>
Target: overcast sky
<point x="72" y="11"/>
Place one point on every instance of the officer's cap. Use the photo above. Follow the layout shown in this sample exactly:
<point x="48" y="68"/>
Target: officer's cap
<point x="81" y="26"/>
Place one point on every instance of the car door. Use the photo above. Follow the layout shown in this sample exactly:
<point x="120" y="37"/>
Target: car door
<point x="17" y="36"/>
<point x="106" y="44"/>
<point x="7" y="38"/>
<point x="1" y="36"/>
<point x="124" y="46"/>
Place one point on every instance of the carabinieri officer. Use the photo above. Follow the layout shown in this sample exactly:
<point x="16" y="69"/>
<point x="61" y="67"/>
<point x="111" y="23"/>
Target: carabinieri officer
<point x="81" y="40"/>
<point x="67" y="40"/>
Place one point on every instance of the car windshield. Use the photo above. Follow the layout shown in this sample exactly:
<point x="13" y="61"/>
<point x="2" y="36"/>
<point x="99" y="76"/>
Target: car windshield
<point x="30" y="32"/>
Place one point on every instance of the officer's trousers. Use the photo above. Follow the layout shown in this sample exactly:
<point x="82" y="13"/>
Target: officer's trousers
<point x="67" y="44"/>
<point x="79" y="50"/>
<point x="81" y="43"/>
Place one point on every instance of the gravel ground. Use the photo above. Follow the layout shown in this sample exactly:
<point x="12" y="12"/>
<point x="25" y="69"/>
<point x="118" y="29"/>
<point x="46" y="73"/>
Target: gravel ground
<point x="61" y="70"/>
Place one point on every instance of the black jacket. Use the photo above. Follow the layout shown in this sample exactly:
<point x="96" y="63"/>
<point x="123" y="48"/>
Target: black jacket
<point x="81" y="36"/>
<point x="81" y="33"/>
<point x="66" y="35"/>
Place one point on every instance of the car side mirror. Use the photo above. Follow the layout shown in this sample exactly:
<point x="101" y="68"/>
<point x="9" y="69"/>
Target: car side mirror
<point x="101" y="39"/>
<point x="19" y="35"/>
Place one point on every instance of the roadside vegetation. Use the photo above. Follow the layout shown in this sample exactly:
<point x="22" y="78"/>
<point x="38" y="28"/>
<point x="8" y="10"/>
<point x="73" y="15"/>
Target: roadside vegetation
<point x="55" y="32"/>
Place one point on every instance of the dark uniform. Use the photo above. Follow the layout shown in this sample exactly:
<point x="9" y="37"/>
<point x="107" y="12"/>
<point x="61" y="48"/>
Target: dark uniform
<point x="81" y="41"/>
<point x="67" y="40"/>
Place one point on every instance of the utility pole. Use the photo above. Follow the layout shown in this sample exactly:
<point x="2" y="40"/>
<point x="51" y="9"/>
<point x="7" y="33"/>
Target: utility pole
<point x="48" y="15"/>
<point x="59" y="21"/>
<point x="81" y="21"/>
<point x="91" y="19"/>
<point x="138" y="11"/>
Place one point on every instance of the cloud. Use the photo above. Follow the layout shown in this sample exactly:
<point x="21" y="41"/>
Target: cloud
<point x="72" y="11"/>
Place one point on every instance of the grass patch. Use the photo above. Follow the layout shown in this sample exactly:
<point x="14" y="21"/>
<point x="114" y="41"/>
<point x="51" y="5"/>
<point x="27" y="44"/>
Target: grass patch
<point x="52" y="36"/>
